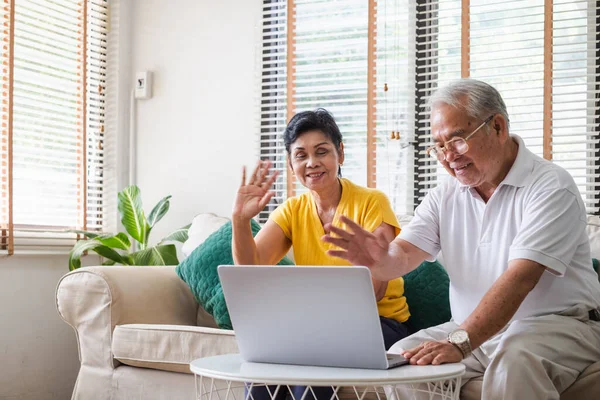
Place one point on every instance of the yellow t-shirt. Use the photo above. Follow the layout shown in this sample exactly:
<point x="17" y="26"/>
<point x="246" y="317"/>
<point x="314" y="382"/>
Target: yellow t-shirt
<point x="300" y="223"/>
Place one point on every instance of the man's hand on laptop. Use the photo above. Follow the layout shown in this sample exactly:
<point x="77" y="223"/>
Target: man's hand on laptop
<point x="358" y="245"/>
<point x="435" y="353"/>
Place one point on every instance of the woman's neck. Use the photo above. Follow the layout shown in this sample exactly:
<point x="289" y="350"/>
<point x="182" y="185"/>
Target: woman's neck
<point x="329" y="198"/>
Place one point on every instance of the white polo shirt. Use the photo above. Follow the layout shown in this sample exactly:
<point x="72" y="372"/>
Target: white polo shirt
<point x="536" y="213"/>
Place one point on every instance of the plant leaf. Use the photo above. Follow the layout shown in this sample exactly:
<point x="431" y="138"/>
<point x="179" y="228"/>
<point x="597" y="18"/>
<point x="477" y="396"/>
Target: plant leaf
<point x="111" y="254"/>
<point x="90" y="245"/>
<point x="109" y="262"/>
<point x="118" y="241"/>
<point x="157" y="255"/>
<point x="159" y="211"/>
<point x="180" y="235"/>
<point x="77" y="250"/>
<point x="132" y="215"/>
<point x="87" y="234"/>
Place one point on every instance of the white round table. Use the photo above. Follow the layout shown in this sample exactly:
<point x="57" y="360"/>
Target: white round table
<point x="443" y="380"/>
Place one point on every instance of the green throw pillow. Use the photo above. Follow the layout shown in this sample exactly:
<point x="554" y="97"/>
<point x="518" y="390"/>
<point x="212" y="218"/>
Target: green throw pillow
<point x="199" y="271"/>
<point x="427" y="294"/>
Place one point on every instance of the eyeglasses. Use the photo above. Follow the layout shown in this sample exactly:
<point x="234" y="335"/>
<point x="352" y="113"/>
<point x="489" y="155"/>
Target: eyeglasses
<point x="456" y="145"/>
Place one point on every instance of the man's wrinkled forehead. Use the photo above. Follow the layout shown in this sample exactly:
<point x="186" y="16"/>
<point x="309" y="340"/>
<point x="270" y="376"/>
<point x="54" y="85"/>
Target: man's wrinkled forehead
<point x="447" y="122"/>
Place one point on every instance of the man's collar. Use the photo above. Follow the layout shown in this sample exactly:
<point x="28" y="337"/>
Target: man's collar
<point x="519" y="171"/>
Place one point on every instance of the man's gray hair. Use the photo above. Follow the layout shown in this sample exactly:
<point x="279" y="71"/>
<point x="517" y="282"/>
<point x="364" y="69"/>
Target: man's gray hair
<point x="477" y="98"/>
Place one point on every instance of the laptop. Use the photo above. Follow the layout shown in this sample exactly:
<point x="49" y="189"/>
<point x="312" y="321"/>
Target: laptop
<point x="303" y="315"/>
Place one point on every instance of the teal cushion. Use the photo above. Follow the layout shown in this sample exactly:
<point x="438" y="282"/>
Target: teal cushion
<point x="427" y="294"/>
<point x="595" y="263"/>
<point x="199" y="271"/>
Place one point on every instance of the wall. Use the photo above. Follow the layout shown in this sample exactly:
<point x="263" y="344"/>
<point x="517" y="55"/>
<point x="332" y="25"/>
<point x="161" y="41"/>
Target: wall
<point x="199" y="128"/>
<point x="38" y="351"/>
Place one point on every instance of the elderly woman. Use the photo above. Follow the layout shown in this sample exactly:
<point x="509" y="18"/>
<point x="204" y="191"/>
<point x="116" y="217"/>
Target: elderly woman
<point x="315" y="153"/>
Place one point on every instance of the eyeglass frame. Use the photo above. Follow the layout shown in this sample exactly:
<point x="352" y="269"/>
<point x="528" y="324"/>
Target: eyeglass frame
<point x="442" y="149"/>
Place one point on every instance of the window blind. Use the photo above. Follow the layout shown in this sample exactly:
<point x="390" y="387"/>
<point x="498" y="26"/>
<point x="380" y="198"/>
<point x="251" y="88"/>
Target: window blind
<point x="53" y="112"/>
<point x="273" y="96"/>
<point x="575" y="88"/>
<point x="542" y="57"/>
<point x="438" y="61"/>
<point x="395" y="93"/>
<point x="331" y="60"/>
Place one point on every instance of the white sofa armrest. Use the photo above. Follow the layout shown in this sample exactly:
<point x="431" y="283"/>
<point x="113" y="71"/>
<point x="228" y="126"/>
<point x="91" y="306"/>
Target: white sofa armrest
<point x="93" y="300"/>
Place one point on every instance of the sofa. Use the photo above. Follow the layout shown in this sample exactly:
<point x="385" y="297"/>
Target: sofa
<point x="138" y="328"/>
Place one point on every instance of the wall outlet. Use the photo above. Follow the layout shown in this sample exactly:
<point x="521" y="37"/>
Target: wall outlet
<point x="143" y="85"/>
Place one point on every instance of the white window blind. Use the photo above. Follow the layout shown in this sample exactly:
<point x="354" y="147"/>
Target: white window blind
<point x="395" y="106"/>
<point x="331" y="52"/>
<point x="507" y="51"/>
<point x="53" y="113"/>
<point x="273" y="96"/>
<point x="575" y="89"/>
<point x="438" y="61"/>
<point x="541" y="56"/>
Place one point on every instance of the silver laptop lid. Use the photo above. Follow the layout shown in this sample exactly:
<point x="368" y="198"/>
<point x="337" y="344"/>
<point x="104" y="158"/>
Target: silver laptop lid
<point x="325" y="316"/>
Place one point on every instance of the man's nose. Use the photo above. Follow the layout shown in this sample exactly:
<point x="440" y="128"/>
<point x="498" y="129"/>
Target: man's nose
<point x="312" y="161"/>
<point x="449" y="155"/>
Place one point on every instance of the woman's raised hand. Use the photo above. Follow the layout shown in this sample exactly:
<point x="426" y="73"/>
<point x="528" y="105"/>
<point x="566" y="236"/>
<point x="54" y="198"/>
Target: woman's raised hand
<point x="253" y="196"/>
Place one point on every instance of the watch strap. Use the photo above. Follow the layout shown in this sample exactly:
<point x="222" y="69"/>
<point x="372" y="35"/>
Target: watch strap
<point x="463" y="346"/>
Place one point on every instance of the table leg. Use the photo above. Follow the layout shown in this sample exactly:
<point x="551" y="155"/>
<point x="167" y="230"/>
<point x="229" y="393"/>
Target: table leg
<point x="447" y="389"/>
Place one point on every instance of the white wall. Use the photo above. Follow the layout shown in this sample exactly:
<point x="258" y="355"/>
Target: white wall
<point x="199" y="128"/>
<point x="38" y="351"/>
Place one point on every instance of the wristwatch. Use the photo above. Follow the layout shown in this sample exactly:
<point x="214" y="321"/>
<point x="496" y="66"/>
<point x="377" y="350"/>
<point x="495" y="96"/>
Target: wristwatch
<point x="460" y="338"/>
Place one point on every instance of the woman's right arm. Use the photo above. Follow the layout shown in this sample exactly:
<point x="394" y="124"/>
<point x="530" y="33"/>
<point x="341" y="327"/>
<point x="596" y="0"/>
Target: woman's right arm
<point x="268" y="248"/>
<point x="251" y="198"/>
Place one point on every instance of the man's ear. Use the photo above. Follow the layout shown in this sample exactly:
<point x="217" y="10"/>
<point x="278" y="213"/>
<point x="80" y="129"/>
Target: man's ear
<point x="341" y="155"/>
<point x="289" y="163"/>
<point x="500" y="126"/>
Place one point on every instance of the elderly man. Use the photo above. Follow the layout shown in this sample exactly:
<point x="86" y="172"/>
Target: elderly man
<point x="511" y="226"/>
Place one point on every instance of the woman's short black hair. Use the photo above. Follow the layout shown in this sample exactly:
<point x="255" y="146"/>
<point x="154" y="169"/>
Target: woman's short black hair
<point x="317" y="120"/>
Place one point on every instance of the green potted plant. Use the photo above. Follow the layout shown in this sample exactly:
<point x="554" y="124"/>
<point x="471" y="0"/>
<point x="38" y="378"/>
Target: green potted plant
<point x="117" y="249"/>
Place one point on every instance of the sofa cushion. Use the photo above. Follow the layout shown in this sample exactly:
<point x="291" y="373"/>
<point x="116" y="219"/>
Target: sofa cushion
<point x="199" y="271"/>
<point x="203" y="225"/>
<point x="586" y="387"/>
<point x="169" y="347"/>
<point x="427" y="290"/>
<point x="593" y="232"/>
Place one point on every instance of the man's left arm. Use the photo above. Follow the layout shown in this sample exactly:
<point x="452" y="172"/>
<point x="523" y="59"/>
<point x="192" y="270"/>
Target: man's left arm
<point x="502" y="300"/>
<point x="494" y="311"/>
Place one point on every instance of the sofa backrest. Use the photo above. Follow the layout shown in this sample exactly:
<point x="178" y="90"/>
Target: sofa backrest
<point x="426" y="288"/>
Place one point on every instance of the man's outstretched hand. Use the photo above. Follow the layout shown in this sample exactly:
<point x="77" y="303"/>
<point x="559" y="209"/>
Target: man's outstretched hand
<point x="358" y="246"/>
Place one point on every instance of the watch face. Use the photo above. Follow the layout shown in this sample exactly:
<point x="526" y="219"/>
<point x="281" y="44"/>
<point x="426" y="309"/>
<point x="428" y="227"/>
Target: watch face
<point x="459" y="336"/>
